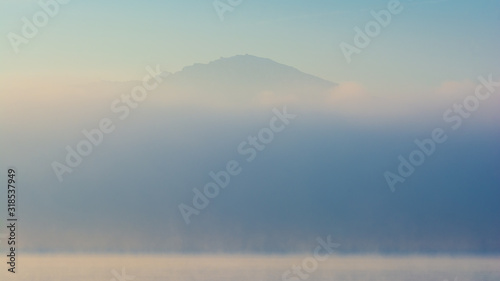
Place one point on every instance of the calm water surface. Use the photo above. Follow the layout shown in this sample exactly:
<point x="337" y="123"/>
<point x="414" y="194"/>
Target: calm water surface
<point x="251" y="268"/>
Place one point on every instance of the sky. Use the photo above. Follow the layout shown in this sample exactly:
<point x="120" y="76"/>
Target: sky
<point x="323" y="174"/>
<point x="429" y="41"/>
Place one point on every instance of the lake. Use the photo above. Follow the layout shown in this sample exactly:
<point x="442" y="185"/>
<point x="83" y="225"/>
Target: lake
<point x="252" y="268"/>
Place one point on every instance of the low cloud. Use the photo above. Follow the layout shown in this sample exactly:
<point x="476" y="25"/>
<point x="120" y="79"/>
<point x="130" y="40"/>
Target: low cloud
<point x="455" y="88"/>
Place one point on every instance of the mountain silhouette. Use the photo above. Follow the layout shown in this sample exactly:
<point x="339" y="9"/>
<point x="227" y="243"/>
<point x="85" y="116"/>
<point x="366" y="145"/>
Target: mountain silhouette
<point x="245" y="79"/>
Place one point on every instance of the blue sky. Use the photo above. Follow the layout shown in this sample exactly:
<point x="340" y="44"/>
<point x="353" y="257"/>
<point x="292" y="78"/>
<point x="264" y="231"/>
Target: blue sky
<point x="426" y="44"/>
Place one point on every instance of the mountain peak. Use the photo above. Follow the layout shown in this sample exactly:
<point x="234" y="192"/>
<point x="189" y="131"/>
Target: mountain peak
<point x="245" y="78"/>
<point x="262" y="71"/>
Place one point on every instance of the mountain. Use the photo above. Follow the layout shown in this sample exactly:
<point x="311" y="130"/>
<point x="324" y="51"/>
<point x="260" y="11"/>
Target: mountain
<point x="245" y="79"/>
